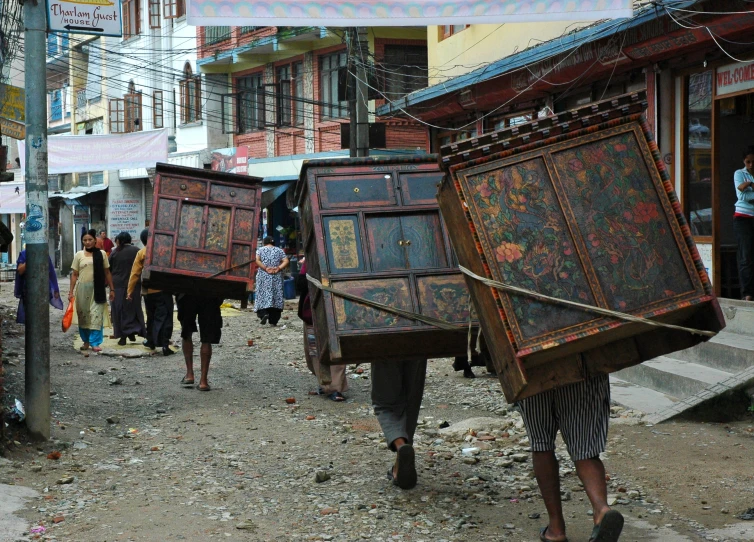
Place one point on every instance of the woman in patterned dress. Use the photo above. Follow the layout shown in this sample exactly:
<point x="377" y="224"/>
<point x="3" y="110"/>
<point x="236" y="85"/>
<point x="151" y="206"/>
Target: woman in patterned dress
<point x="271" y="260"/>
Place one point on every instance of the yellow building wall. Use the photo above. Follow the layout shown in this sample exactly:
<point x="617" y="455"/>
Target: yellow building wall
<point x="481" y="44"/>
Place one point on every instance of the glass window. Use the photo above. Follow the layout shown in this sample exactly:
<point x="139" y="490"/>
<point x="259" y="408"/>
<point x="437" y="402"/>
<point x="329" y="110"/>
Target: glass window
<point x="698" y="142"/>
<point x="404" y="70"/>
<point x="328" y="82"/>
<point x="251" y="103"/>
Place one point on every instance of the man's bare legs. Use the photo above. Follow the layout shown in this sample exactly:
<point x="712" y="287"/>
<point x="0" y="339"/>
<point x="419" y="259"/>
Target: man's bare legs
<point x="591" y="472"/>
<point x="548" y="479"/>
<point x="205" y="355"/>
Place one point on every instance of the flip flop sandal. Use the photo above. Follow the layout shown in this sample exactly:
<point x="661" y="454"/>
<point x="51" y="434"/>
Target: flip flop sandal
<point x="187" y="383"/>
<point x="405" y="477"/>
<point x="543" y="535"/>
<point x="96" y="349"/>
<point x="609" y="529"/>
<point x="336" y="396"/>
<point x="203" y="389"/>
<point x="83" y="347"/>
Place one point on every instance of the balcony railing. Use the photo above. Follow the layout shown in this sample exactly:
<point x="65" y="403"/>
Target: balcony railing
<point x="81" y="98"/>
<point x="216" y="34"/>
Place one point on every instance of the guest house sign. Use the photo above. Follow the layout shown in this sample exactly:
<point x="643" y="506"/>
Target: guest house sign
<point x="95" y="17"/>
<point x="397" y="12"/>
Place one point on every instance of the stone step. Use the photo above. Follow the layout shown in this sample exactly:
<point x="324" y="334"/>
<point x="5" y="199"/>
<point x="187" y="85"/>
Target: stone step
<point x="674" y="377"/>
<point x="637" y="397"/>
<point x="727" y="351"/>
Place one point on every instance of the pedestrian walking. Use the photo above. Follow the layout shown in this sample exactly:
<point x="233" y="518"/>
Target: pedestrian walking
<point x="128" y="319"/>
<point x="105" y="243"/>
<point x="397" y="391"/>
<point x="19" y="289"/>
<point x="90" y="274"/>
<point x="332" y="381"/>
<point x="158" y="304"/>
<point x="207" y="311"/>
<point x="581" y="412"/>
<point x="268" y="300"/>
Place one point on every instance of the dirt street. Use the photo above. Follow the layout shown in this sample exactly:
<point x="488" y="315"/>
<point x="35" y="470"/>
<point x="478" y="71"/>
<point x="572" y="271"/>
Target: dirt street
<point x="143" y="459"/>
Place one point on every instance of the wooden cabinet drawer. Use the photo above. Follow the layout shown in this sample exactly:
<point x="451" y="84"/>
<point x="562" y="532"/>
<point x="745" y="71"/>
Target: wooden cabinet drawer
<point x="367" y="190"/>
<point x="185" y="188"/>
<point x="232" y="194"/>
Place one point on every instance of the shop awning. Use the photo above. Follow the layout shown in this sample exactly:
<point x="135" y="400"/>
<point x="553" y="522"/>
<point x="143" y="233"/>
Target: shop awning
<point x="71" y="198"/>
<point x="275" y="186"/>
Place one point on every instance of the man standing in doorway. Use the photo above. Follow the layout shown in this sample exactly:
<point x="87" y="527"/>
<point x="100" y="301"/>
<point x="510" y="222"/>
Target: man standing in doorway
<point x="581" y="412"/>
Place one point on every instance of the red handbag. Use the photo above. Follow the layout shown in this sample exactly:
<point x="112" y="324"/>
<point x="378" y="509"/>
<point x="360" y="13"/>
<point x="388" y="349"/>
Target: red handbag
<point x="68" y="316"/>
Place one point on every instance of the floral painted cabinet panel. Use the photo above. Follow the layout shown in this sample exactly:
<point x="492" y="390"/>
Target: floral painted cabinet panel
<point x="587" y="216"/>
<point x="373" y="230"/>
<point x="204" y="233"/>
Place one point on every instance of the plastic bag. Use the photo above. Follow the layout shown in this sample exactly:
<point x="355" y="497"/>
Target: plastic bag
<point x="68" y="316"/>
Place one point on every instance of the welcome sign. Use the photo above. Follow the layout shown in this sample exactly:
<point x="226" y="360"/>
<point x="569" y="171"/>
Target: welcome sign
<point x="398" y="12"/>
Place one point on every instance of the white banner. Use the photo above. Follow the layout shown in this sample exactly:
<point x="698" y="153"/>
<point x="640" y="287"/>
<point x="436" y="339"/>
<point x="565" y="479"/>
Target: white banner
<point x="85" y="153"/>
<point x="398" y="12"/>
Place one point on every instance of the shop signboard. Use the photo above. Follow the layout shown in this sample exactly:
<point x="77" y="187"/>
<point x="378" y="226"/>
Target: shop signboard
<point x="124" y="216"/>
<point x="14" y="130"/>
<point x="734" y="78"/>
<point x="12" y="103"/>
<point x="81" y="214"/>
<point x="93" y="17"/>
<point x="231" y="160"/>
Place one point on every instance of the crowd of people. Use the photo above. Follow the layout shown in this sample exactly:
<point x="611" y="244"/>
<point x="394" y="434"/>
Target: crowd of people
<point x="579" y="411"/>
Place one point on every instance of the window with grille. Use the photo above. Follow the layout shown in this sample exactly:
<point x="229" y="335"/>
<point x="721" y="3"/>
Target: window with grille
<point x="249" y="29"/>
<point x="331" y="108"/>
<point x="251" y="103"/>
<point x="404" y="70"/>
<point x="216" y="34"/>
<point x="154" y="13"/>
<point x="173" y="9"/>
<point x="130" y="18"/>
<point x="158" y="120"/>
<point x="191" y="96"/>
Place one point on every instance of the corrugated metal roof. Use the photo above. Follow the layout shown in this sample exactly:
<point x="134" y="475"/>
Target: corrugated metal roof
<point x="530" y="56"/>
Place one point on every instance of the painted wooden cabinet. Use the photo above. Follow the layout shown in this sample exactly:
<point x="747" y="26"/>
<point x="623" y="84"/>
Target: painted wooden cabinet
<point x="372" y="228"/>
<point x="578" y="207"/>
<point x="204" y="232"/>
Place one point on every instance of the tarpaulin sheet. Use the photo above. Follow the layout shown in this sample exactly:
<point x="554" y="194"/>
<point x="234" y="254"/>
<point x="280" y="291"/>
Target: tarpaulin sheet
<point x="83" y="153"/>
<point x="398" y="12"/>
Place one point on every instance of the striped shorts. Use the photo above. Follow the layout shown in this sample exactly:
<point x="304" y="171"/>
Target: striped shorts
<point x="581" y="411"/>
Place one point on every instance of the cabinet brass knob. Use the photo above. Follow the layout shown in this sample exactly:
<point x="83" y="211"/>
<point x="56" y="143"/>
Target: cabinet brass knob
<point x="406" y="243"/>
<point x="232" y="194"/>
<point x="400" y="242"/>
<point x="356" y="190"/>
<point x="183" y="187"/>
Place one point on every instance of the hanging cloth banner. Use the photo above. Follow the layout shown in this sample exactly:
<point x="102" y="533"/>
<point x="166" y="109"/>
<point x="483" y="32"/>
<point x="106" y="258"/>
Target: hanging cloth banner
<point x="84" y="153"/>
<point x="398" y="12"/>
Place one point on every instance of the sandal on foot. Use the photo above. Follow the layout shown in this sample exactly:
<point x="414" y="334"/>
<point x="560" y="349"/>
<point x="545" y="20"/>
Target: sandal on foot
<point x="187" y="383"/>
<point x="609" y="529"/>
<point x="96" y="349"/>
<point x="405" y="467"/>
<point x="336" y="396"/>
<point x="203" y="389"/>
<point x="543" y="535"/>
<point x="84" y="346"/>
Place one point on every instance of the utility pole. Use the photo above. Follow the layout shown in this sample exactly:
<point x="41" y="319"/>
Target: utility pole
<point x="359" y="110"/>
<point x="37" y="302"/>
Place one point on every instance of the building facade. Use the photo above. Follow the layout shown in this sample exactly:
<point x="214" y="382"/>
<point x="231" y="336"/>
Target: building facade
<point x="699" y="101"/>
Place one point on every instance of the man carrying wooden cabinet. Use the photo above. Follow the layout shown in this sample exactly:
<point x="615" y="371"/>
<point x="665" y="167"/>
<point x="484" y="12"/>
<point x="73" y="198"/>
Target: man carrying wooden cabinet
<point x="581" y="412"/>
<point x="397" y="390"/>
